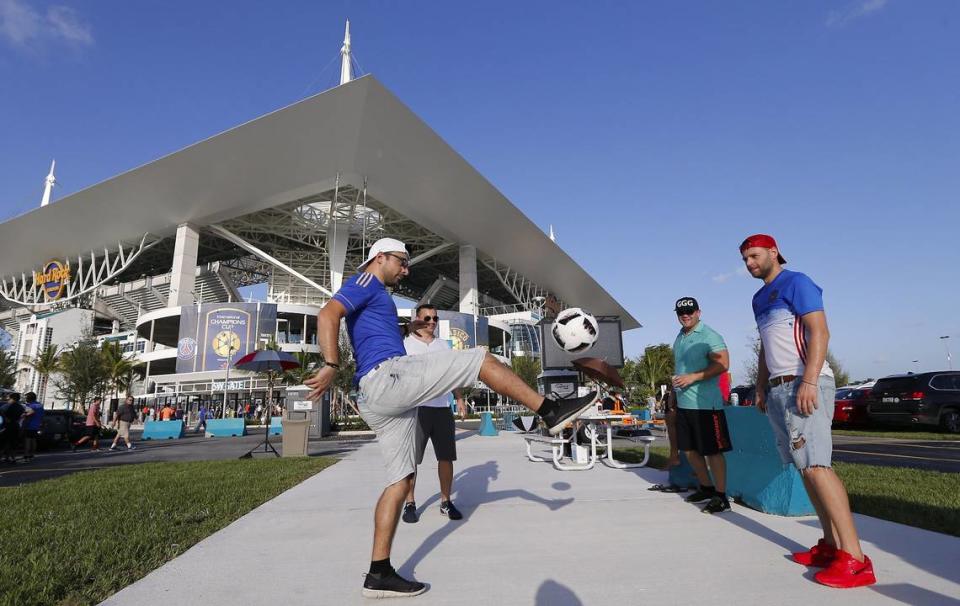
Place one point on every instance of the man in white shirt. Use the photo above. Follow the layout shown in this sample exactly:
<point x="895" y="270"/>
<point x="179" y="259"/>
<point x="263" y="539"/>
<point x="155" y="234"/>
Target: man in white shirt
<point x="435" y="420"/>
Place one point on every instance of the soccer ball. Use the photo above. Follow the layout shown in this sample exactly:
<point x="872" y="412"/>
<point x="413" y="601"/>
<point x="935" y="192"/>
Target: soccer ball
<point x="575" y="330"/>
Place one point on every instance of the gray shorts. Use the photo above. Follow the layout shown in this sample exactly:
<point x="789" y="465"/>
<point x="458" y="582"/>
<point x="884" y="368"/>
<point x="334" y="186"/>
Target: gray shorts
<point x="791" y="427"/>
<point x="390" y="394"/>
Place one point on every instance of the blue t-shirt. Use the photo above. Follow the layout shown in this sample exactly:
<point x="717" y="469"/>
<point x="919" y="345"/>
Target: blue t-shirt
<point x="778" y="308"/>
<point x="372" y="322"/>
<point x="32" y="423"/>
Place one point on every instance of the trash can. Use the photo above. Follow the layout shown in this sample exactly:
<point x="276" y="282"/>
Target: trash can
<point x="296" y="433"/>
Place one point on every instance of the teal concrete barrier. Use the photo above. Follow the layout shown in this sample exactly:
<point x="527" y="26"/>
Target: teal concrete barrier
<point x="487" y="428"/>
<point x="508" y="418"/>
<point x="276" y="426"/>
<point x="755" y="474"/>
<point x="163" y="430"/>
<point x="225" y="428"/>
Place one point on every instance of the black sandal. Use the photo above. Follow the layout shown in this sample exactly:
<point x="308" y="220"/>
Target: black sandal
<point x="668" y="488"/>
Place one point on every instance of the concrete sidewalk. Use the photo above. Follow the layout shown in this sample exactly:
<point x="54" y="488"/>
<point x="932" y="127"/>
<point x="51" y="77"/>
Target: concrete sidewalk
<point x="533" y="535"/>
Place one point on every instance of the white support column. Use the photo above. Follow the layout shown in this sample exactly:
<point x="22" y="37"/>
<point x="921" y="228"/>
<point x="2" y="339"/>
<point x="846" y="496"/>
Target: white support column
<point x="469" y="295"/>
<point x="183" y="272"/>
<point x="337" y="236"/>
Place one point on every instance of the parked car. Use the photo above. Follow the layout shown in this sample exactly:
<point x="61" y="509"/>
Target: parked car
<point x="850" y="407"/>
<point x="60" y="426"/>
<point x="928" y="398"/>
<point x="745" y="395"/>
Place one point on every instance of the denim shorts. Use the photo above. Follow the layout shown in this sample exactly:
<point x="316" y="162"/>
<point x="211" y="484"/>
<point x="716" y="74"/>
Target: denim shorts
<point x="805" y="441"/>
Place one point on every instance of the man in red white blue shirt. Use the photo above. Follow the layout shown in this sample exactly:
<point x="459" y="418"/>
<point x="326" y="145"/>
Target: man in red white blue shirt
<point x="796" y="389"/>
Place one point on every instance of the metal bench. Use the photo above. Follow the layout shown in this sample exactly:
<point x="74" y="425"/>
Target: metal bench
<point x="556" y="449"/>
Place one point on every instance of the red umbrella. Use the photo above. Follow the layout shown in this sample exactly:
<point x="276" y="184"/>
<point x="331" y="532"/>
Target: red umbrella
<point x="598" y="370"/>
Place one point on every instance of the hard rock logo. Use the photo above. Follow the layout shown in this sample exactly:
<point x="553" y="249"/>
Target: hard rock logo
<point x="54" y="279"/>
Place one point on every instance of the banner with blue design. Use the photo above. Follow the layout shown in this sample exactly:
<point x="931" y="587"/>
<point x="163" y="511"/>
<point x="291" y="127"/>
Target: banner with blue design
<point x="215" y="334"/>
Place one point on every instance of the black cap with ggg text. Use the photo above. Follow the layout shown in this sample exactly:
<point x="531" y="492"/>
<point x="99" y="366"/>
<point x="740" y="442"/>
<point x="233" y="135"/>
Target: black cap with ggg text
<point x="686" y="305"/>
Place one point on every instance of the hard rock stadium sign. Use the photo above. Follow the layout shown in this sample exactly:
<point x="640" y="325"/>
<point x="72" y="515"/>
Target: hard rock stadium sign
<point x="63" y="280"/>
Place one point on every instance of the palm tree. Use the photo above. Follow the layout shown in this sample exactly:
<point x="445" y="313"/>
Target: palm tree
<point x="656" y="365"/>
<point x="82" y="372"/>
<point x="121" y="371"/>
<point x="297" y="376"/>
<point x="8" y="369"/>
<point x="45" y="364"/>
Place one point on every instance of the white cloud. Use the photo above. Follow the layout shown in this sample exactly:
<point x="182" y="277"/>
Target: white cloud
<point x="721" y="278"/>
<point x="23" y="27"/>
<point x="67" y="25"/>
<point x="859" y="10"/>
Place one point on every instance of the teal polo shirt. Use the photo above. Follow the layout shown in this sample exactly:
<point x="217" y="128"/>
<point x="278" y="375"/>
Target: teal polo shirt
<point x="691" y="354"/>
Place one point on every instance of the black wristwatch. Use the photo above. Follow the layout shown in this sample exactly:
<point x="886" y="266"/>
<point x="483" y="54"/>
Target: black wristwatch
<point x="334" y="364"/>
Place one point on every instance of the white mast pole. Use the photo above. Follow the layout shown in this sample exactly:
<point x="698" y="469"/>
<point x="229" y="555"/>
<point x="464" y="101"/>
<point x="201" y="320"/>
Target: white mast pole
<point x="48" y="185"/>
<point x="346" y="69"/>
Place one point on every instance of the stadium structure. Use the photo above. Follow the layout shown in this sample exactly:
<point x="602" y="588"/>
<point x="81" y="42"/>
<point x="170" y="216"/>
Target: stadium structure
<point x="154" y="257"/>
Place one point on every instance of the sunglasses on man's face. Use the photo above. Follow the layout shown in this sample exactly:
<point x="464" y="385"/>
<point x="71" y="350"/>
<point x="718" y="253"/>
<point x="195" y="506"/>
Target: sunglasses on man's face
<point x="680" y="314"/>
<point x="430" y="318"/>
<point x="404" y="262"/>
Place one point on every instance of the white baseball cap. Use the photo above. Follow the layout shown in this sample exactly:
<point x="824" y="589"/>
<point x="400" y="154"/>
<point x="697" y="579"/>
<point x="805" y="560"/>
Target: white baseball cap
<point x="383" y="245"/>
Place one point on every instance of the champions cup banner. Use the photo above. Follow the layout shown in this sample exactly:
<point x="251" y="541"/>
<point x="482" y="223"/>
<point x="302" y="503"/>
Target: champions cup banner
<point x="216" y="334"/>
<point x="460" y="331"/>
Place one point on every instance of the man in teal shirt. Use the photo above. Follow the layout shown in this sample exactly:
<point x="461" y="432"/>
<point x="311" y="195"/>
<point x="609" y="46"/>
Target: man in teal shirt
<point x="700" y="356"/>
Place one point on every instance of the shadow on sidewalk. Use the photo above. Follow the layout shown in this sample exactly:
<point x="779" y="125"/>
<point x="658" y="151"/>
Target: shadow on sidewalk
<point x="472" y="489"/>
<point x="915" y="596"/>
<point x="551" y="593"/>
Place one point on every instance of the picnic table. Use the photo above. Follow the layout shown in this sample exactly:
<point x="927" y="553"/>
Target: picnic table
<point x="599" y="431"/>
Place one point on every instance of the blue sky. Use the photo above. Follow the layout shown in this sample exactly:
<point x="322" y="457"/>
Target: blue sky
<point x="653" y="136"/>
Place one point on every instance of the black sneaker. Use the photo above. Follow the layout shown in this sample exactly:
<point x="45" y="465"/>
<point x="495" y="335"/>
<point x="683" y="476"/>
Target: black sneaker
<point x="447" y="508"/>
<point x="700" y="495"/>
<point x="717" y="504"/>
<point x="410" y="513"/>
<point x="390" y="585"/>
<point x="567" y="410"/>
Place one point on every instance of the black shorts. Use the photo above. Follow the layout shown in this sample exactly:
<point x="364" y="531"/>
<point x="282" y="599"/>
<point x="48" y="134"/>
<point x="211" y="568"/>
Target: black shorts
<point x="436" y="425"/>
<point x="29" y="433"/>
<point x="702" y="431"/>
<point x="92" y="431"/>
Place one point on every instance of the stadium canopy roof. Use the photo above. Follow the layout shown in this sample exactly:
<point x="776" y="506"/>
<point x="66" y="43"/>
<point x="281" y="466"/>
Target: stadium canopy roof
<point x="357" y="137"/>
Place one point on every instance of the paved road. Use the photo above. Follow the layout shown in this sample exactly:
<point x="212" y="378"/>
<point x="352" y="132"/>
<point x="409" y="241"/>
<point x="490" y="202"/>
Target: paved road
<point x="51" y="464"/>
<point x="889" y="452"/>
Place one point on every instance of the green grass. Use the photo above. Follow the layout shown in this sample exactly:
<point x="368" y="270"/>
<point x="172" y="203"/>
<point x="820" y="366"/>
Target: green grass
<point x="658" y="456"/>
<point x="79" y="539"/>
<point x="902" y="435"/>
<point x="915" y="497"/>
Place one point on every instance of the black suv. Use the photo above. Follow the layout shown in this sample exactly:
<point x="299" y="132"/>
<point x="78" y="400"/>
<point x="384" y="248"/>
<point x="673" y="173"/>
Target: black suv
<point x="61" y="426"/>
<point x="928" y="398"/>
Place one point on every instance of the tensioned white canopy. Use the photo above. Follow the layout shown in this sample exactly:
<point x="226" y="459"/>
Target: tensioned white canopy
<point x="358" y="130"/>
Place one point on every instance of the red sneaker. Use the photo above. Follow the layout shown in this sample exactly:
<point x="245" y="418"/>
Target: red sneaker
<point x="820" y="555"/>
<point x="845" y="572"/>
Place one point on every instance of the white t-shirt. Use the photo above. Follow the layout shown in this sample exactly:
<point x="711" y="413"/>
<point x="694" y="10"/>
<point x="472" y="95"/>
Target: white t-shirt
<point x="415" y="346"/>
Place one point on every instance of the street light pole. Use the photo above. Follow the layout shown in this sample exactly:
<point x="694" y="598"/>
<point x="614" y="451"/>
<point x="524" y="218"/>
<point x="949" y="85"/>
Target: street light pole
<point x="946" y="346"/>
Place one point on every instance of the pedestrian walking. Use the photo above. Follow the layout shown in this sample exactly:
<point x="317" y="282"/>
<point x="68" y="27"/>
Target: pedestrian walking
<point x="796" y="390"/>
<point x="92" y="426"/>
<point x="434" y="420"/>
<point x="30" y="425"/>
<point x="700" y="356"/>
<point x="201" y="419"/>
<point x="10" y="412"/>
<point x="167" y="412"/>
<point x="391" y="386"/>
<point x="122" y="419"/>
